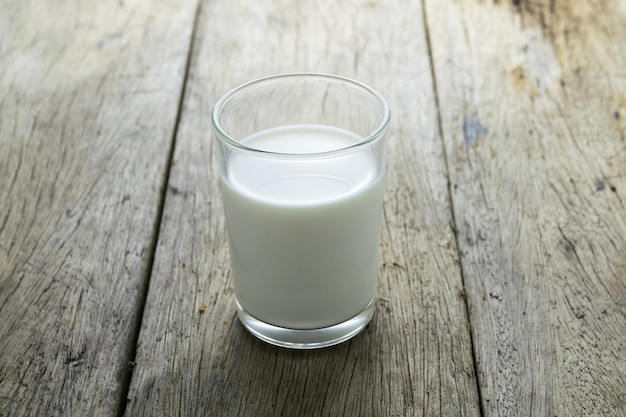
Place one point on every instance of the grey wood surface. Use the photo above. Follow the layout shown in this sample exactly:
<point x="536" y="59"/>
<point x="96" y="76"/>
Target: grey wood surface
<point x="503" y="256"/>
<point x="89" y="96"/>
<point x="532" y="106"/>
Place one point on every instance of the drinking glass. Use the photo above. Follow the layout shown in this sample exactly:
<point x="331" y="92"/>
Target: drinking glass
<point x="302" y="166"/>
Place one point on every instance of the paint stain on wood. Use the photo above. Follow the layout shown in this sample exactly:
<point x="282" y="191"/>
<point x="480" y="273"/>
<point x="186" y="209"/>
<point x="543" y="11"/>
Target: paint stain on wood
<point x="473" y="131"/>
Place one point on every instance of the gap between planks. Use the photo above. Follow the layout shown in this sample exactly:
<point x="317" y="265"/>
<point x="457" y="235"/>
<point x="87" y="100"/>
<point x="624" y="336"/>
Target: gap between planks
<point x="141" y="302"/>
<point x="455" y="229"/>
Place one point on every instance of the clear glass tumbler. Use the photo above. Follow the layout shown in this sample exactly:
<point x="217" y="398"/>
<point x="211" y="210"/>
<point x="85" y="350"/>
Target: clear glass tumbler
<point x="302" y="166"/>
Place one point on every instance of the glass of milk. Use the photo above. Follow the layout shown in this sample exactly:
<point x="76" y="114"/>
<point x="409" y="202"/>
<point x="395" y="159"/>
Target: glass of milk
<point x="302" y="166"/>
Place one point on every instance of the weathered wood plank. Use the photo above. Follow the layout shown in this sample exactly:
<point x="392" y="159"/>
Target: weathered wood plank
<point x="532" y="101"/>
<point x="89" y="94"/>
<point x="415" y="357"/>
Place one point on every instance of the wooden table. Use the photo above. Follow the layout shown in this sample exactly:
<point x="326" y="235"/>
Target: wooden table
<point x="503" y="255"/>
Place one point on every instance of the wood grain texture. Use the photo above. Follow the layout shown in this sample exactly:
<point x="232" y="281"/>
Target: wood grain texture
<point x="415" y="357"/>
<point x="532" y="109"/>
<point x="89" y="94"/>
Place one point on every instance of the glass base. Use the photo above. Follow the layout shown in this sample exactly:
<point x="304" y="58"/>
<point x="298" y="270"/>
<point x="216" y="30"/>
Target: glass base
<point x="307" y="339"/>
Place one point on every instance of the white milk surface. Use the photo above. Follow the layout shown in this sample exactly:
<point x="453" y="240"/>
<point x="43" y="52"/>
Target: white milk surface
<point x="303" y="235"/>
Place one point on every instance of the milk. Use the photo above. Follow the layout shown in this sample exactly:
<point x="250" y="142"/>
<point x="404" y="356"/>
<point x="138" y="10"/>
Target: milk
<point x="303" y="235"/>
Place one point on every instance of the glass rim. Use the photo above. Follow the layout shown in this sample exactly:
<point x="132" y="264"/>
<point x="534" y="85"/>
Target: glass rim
<point x="378" y="132"/>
